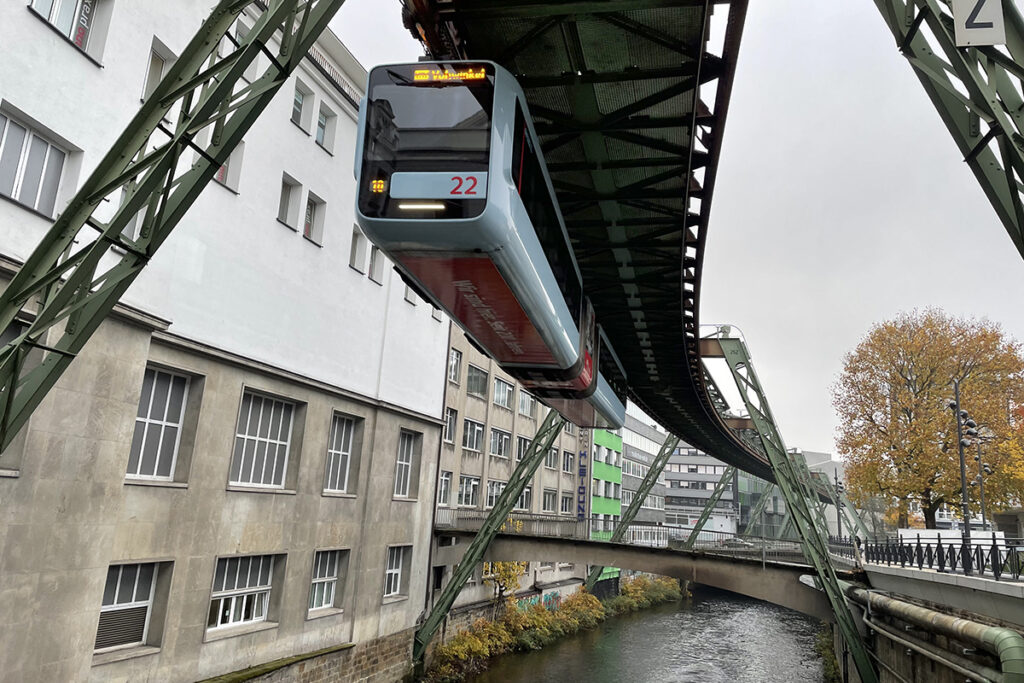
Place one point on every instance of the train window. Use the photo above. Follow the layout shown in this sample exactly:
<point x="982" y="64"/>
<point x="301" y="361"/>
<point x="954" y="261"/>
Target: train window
<point x="422" y="123"/>
<point x="528" y="174"/>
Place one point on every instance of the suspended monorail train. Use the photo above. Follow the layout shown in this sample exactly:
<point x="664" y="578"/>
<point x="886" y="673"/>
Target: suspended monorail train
<point x="453" y="187"/>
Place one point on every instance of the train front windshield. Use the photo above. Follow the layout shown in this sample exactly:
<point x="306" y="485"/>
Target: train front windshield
<point x="428" y="137"/>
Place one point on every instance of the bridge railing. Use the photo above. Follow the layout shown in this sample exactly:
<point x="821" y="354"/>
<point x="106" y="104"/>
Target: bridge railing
<point x="996" y="557"/>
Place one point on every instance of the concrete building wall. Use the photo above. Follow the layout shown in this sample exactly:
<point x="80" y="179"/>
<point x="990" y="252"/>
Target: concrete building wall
<point x="235" y="301"/>
<point x="639" y="450"/>
<point x="692" y="476"/>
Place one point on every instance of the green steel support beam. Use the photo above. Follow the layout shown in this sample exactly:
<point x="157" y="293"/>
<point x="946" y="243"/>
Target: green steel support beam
<point x="152" y="173"/>
<point x="709" y="507"/>
<point x="758" y="511"/>
<point x="796" y="496"/>
<point x="855" y="516"/>
<point x="667" y="448"/>
<point x="987" y="122"/>
<point x="535" y="454"/>
<point x="833" y="495"/>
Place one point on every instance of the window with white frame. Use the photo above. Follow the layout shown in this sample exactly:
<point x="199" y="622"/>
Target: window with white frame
<point x="262" y="440"/>
<point x="568" y="461"/>
<point x="326" y="121"/>
<point x="323" y="591"/>
<point x="451" y="417"/>
<point x="158" y="425"/>
<point x="551" y="459"/>
<point x="357" y="250"/>
<point x="397" y="566"/>
<point x="454" y="366"/>
<point x="339" y="454"/>
<point x="469" y="491"/>
<point x="494" y="489"/>
<point x="405" y="465"/>
<point x="76" y="20"/>
<point x="525" y="499"/>
<point x="569" y="428"/>
<point x="377" y="265"/>
<point x="503" y="393"/>
<point x="302" y="102"/>
<point x="522" y="446"/>
<point x="30" y="166"/>
<point x="549" y="502"/>
<point x="566" y="506"/>
<point x="472" y="435"/>
<point x="527" y="404"/>
<point x="313" y="219"/>
<point x="501" y="443"/>
<point x="127" y="606"/>
<point x="476" y="381"/>
<point x="444" y="488"/>
<point x="241" y="590"/>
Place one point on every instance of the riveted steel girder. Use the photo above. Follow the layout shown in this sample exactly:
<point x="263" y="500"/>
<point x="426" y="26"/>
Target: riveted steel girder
<point x="84" y="264"/>
<point x="705" y="514"/>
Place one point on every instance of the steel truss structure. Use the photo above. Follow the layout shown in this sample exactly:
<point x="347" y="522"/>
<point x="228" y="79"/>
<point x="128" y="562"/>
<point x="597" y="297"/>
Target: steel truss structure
<point x="705" y="514"/>
<point x="799" y="495"/>
<point x="152" y="173"/>
<point x="653" y="472"/>
<point x="977" y="92"/>
<point x="498" y="516"/>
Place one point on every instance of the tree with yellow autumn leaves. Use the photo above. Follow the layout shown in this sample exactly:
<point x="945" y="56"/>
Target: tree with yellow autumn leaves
<point x="896" y="431"/>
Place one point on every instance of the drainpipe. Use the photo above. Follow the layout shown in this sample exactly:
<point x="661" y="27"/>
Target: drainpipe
<point x="1005" y="643"/>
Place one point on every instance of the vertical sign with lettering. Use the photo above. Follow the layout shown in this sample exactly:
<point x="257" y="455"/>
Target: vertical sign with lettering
<point x="80" y="34"/>
<point x="978" y="22"/>
<point x="581" y="487"/>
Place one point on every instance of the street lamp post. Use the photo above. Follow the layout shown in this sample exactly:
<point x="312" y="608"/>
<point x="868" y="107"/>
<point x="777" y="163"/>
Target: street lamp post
<point x="839" y="511"/>
<point x="961" y="417"/>
<point x="983" y="469"/>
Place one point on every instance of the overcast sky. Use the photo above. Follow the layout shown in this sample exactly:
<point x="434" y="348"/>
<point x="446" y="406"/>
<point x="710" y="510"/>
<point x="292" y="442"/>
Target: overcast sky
<point x="841" y="199"/>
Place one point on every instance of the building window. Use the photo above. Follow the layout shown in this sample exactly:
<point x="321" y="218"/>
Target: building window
<point x="522" y="446"/>
<point x="376" y="265"/>
<point x="313" y="220"/>
<point x="397" y="567"/>
<point x="568" y="459"/>
<point x="501" y="443"/>
<point x="325" y="126"/>
<point x="261" y="441"/>
<point x="154" y="73"/>
<point x="566" y="503"/>
<point x="551" y="459"/>
<point x="407" y="465"/>
<point x="230" y="171"/>
<point x="158" y="425"/>
<point x="569" y="428"/>
<point x="450" y="417"/>
<point x="127" y="606"/>
<point x="339" y="454"/>
<point x="30" y="166"/>
<point x="527" y="404"/>
<point x="472" y="435"/>
<point x="288" y="206"/>
<point x="476" y="381"/>
<point x="549" y="500"/>
<point x="494" y="489"/>
<point x="241" y="590"/>
<point x="454" y="366"/>
<point x="525" y="499"/>
<point x="302" y="102"/>
<point x="323" y="592"/>
<point x="444" y="489"/>
<point x="503" y="393"/>
<point x="469" y="491"/>
<point x="75" y="19"/>
<point x="357" y="250"/>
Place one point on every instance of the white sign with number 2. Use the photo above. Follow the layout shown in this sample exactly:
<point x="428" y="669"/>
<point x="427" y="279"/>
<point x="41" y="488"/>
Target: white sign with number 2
<point x="979" y="22"/>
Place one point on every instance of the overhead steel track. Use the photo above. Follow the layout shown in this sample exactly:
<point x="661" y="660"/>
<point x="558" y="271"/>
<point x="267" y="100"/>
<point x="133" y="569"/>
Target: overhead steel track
<point x="630" y="100"/>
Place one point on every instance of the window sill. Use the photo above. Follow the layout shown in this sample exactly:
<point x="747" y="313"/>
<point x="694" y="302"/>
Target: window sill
<point x="391" y="599"/>
<point x="361" y="272"/>
<point x="505" y="408"/>
<point x="229" y="189"/>
<point x="111" y="656"/>
<point x="499" y="457"/>
<point x="6" y="473"/>
<point x="259" y="489"/>
<point x="299" y="126"/>
<point x="312" y="241"/>
<point x="322" y="612"/>
<point x="284" y="224"/>
<point x="479" y="397"/>
<point x="233" y="631"/>
<point x="377" y="281"/>
<point x="64" y="37"/>
<point x="337" y="494"/>
<point x="326" y="151"/>
<point x="466" y="451"/>
<point x="28" y="208"/>
<point x="404" y="499"/>
<point x="128" y="481"/>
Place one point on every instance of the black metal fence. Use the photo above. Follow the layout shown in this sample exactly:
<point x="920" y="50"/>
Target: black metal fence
<point x="998" y="558"/>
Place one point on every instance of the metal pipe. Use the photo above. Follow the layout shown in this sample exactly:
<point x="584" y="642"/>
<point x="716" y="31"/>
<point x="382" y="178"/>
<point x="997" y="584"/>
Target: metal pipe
<point x="1005" y="643"/>
<point x="979" y="673"/>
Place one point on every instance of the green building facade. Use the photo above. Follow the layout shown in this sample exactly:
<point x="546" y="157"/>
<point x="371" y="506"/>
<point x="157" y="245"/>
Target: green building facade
<point x="606" y="490"/>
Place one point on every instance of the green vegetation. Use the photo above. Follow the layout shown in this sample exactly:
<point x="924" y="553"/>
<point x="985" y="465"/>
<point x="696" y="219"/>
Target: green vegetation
<point x="830" y="672"/>
<point x="521" y="630"/>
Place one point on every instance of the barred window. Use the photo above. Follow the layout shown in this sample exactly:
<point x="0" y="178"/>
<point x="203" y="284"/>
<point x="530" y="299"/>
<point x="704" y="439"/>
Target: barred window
<point x="503" y="393"/>
<point x="158" y="421"/>
<point x="501" y="443"/>
<point x="322" y="592"/>
<point x="241" y="590"/>
<point x="261" y="441"/>
<point x="339" y="454"/>
<point x="30" y="166"/>
<point x="127" y="605"/>
<point x="476" y="381"/>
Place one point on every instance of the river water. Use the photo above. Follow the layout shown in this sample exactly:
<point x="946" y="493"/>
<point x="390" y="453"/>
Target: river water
<point x="714" y="637"/>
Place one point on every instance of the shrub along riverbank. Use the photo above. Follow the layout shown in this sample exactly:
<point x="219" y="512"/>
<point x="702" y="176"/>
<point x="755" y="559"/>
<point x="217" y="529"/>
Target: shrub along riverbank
<point x="520" y="630"/>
